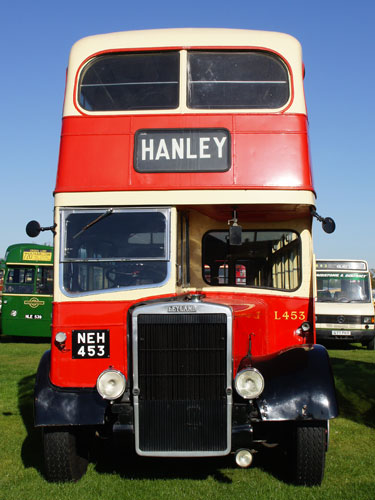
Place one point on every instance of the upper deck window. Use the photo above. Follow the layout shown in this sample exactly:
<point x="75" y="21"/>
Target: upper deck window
<point x="224" y="80"/>
<point x="230" y="79"/>
<point x="122" y="82"/>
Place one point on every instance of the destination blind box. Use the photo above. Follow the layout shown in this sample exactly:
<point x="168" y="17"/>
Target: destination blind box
<point x="182" y="150"/>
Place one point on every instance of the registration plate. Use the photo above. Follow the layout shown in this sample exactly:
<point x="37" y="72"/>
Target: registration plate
<point x="90" y="344"/>
<point x="345" y="333"/>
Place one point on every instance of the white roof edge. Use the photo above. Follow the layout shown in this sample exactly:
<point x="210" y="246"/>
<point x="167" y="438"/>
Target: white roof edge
<point x="285" y="45"/>
<point x="172" y="37"/>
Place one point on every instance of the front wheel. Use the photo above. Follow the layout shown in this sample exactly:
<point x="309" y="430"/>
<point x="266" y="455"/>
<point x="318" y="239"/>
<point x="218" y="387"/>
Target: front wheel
<point x="65" y="454"/>
<point x="308" y="453"/>
<point x="371" y="344"/>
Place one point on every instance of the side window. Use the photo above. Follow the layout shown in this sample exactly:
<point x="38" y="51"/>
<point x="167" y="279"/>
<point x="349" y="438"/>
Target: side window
<point x="264" y="259"/>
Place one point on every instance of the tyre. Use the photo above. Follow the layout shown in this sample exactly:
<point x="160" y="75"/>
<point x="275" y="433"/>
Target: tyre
<point x="309" y="450"/>
<point x="65" y="454"/>
<point x="371" y="344"/>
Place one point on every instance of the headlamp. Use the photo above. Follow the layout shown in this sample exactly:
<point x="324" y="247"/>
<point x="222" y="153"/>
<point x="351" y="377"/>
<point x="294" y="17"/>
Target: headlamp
<point x="111" y="384"/>
<point x="249" y="383"/>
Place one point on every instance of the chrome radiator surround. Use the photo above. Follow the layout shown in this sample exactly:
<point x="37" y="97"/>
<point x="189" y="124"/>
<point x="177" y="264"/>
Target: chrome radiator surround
<point x="182" y="378"/>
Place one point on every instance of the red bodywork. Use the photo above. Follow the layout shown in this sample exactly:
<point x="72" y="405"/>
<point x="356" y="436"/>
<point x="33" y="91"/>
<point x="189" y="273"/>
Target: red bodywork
<point x="272" y="321"/>
<point x="268" y="152"/>
<point x="96" y="154"/>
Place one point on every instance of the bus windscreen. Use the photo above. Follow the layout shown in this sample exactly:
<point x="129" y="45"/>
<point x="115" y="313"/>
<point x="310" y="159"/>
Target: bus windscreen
<point x="343" y="287"/>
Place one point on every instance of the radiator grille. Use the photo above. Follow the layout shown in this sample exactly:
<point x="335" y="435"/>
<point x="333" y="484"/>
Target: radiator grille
<point x="182" y="374"/>
<point x="339" y="319"/>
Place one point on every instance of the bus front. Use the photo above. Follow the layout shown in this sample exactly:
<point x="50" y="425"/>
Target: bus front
<point x="344" y="307"/>
<point x="183" y="299"/>
<point x="27" y="291"/>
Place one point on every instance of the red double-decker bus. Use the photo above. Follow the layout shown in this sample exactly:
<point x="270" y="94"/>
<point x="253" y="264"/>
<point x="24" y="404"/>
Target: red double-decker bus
<point x="183" y="306"/>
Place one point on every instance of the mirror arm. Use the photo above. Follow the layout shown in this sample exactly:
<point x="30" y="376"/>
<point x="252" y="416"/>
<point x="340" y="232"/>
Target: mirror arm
<point x="234" y="221"/>
<point x="315" y="214"/>
<point x="49" y="228"/>
<point x="33" y="229"/>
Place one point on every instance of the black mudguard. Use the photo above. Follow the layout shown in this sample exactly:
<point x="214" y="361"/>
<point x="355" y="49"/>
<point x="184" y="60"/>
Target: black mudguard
<point x="299" y="385"/>
<point x="61" y="407"/>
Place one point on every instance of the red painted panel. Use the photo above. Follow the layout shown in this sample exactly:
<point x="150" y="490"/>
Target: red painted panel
<point x="268" y="152"/>
<point x="68" y="372"/>
<point x="272" y="322"/>
<point x="273" y="160"/>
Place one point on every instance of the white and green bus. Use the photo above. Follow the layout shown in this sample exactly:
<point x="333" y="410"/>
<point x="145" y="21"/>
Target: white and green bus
<point x="344" y="308"/>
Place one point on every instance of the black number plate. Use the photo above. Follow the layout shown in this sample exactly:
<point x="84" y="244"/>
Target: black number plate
<point x="90" y="344"/>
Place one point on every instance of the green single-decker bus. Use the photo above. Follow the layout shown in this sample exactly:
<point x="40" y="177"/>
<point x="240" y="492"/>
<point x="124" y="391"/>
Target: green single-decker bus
<point x="28" y="291"/>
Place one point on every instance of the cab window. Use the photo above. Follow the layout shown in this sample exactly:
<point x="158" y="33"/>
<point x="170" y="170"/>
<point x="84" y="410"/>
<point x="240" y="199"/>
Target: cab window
<point x="263" y="259"/>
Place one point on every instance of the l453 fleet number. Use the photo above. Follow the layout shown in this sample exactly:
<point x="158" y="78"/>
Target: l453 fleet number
<point x="290" y="315"/>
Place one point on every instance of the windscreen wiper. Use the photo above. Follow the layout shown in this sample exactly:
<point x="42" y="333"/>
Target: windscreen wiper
<point x="85" y="228"/>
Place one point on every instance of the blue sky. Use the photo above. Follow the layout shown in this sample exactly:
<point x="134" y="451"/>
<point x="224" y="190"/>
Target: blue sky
<point x="338" y="46"/>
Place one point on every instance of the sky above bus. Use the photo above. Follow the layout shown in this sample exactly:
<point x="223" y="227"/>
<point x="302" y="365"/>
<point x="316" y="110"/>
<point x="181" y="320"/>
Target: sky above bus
<point x="338" y="46"/>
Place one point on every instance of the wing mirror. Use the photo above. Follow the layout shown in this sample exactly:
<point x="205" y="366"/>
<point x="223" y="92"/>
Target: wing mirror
<point x="328" y="224"/>
<point x="235" y="230"/>
<point x="33" y="229"/>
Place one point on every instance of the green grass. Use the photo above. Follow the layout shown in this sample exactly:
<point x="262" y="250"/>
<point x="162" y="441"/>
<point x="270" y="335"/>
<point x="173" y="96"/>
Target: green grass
<point x="120" y="474"/>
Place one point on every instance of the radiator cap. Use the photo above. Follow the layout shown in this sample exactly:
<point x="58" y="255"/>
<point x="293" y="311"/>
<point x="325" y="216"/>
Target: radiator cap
<point x="196" y="297"/>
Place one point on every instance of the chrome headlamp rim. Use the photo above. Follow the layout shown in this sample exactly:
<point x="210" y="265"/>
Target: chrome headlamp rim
<point x="241" y="374"/>
<point x="117" y="377"/>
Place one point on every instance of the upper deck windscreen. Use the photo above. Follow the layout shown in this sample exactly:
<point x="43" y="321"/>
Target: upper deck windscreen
<point x="214" y="80"/>
<point x="119" y="82"/>
<point x="219" y="80"/>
